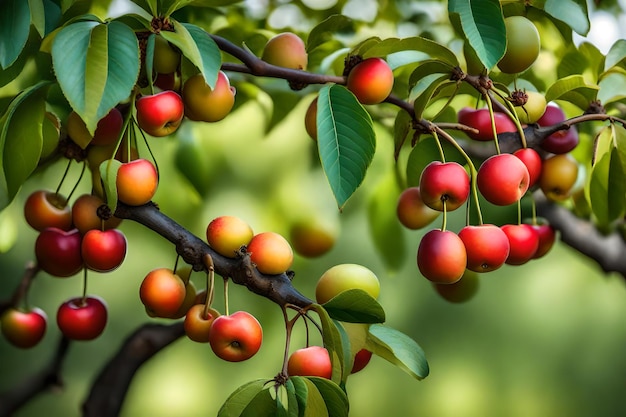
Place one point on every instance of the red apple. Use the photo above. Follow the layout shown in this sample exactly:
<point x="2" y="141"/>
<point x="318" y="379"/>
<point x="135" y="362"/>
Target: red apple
<point x="310" y="361"/>
<point x="236" y="337"/>
<point x="58" y="251"/>
<point x="502" y="179"/>
<point x="480" y="120"/>
<point x="103" y="251"/>
<point x="23" y="329"/>
<point x="523" y="240"/>
<point x="441" y="256"/>
<point x="444" y="182"/>
<point x="487" y="247"/>
<point x="533" y="163"/>
<point x="47" y="209"/>
<point x="82" y="319"/>
<point x="160" y="114"/>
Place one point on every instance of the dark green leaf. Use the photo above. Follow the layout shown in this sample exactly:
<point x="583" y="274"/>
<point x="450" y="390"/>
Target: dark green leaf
<point x="324" y="30"/>
<point x="302" y="393"/>
<point x="38" y="16"/>
<point x="239" y="400"/>
<point x="355" y="306"/>
<point x="262" y="405"/>
<point x="108" y="173"/>
<point x="310" y="399"/>
<point x="401" y="128"/>
<point x="572" y="12"/>
<point x="399" y="349"/>
<point x="573" y="89"/>
<point x="14" y="30"/>
<point x="334" y="397"/>
<point x="431" y="48"/>
<point x="345" y="139"/>
<point x="607" y="189"/>
<point x="333" y="341"/>
<point x="483" y="25"/>
<point x="293" y="405"/>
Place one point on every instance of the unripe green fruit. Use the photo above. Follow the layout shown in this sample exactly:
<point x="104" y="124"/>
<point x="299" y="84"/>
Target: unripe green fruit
<point x="534" y="108"/>
<point x="346" y="277"/>
<point x="522" y="45"/>
<point x="166" y="58"/>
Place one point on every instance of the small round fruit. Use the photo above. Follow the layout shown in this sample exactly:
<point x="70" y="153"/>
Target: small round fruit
<point x="524" y="242"/>
<point x="480" y="120"/>
<point x="441" y="256"/>
<point x="502" y="179"/>
<point x="461" y="291"/>
<point x="58" y="251"/>
<point x="310" y="361"/>
<point x="236" y="337"/>
<point x="411" y="210"/>
<point x="547" y="237"/>
<point x="136" y="182"/>
<point x="227" y="234"/>
<point x="189" y="301"/>
<point x="558" y="176"/>
<point x="166" y="59"/>
<point x="313" y="236"/>
<point x="23" y="329"/>
<point x="205" y="104"/>
<point x="361" y="359"/>
<point x="270" y="252"/>
<point x="444" y="183"/>
<point x="371" y="80"/>
<point x="103" y="250"/>
<point x="107" y="130"/>
<point x="160" y="114"/>
<point x="562" y="141"/>
<point x="310" y="119"/>
<point x="344" y="277"/>
<point x="162" y="292"/>
<point x="197" y="325"/>
<point x="486" y="245"/>
<point x="522" y="45"/>
<point x="534" y="108"/>
<point x="286" y="50"/>
<point x="82" y="319"/>
<point x="85" y="214"/>
<point x="533" y="162"/>
<point x="44" y="209"/>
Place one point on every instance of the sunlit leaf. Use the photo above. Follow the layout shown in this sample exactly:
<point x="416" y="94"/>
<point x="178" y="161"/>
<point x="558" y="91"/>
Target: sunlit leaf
<point x="483" y="25"/>
<point x="14" y="29"/>
<point x="150" y="6"/>
<point x="237" y="402"/>
<point x="38" y="16"/>
<point x="424" y="91"/>
<point x="573" y="89"/>
<point x="334" y="397"/>
<point x="332" y="341"/>
<point x="399" y="349"/>
<point x="345" y="139"/>
<point x="431" y="48"/>
<point x="616" y="54"/>
<point x="324" y="30"/>
<point x="355" y="306"/>
<point x="572" y="12"/>
<point x="612" y="87"/>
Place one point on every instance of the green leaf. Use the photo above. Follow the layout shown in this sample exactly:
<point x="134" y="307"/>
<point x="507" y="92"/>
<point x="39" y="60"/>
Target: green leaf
<point x="616" y="54"/>
<point x="386" y="231"/>
<point x="237" y="402"/>
<point x="21" y="139"/>
<point x="399" y="349"/>
<point x="612" y="87"/>
<point x="324" y="30"/>
<point x="197" y="46"/>
<point x="293" y="405"/>
<point x="355" y="306"/>
<point x="96" y="65"/>
<point x="401" y="128"/>
<point x="607" y="189"/>
<point x="424" y="91"/>
<point x="431" y="48"/>
<point x="573" y="89"/>
<point x="345" y="139"/>
<point x="311" y="403"/>
<point x="572" y="12"/>
<point x="150" y="6"/>
<point x="108" y="174"/>
<point x="14" y="30"/>
<point x="333" y="341"/>
<point x="38" y="16"/>
<point x="261" y="405"/>
<point x="334" y="397"/>
<point x="428" y="68"/>
<point x="483" y="25"/>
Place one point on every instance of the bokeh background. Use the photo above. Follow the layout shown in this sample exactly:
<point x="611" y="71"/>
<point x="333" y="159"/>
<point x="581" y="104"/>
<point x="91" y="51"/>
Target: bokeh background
<point x="543" y="339"/>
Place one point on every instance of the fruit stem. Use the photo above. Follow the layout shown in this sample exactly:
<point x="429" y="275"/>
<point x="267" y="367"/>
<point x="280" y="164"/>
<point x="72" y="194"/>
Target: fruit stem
<point x="80" y="177"/>
<point x="519" y="211"/>
<point x="84" y="299"/>
<point x="513" y="116"/>
<point x="444" y="221"/>
<point x="226" y="296"/>
<point x="438" y="142"/>
<point x="210" y="281"/>
<point x="493" y="125"/>
<point x="533" y="206"/>
<point x="289" y="323"/>
<point x="67" y="170"/>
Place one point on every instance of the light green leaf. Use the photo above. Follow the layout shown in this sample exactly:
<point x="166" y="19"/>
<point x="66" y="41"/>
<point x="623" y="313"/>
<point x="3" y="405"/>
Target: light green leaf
<point x="603" y="144"/>
<point x="38" y="16"/>
<point x="425" y="90"/>
<point x="334" y="397"/>
<point x="108" y="174"/>
<point x="14" y="29"/>
<point x="345" y="139"/>
<point x="616" y="54"/>
<point x="483" y="25"/>
<point x="333" y="341"/>
<point x="355" y="306"/>
<point x="150" y="6"/>
<point x="399" y="349"/>
<point x="237" y="402"/>
<point x="324" y="30"/>
<point x="572" y="12"/>
<point x="612" y="87"/>
<point x="573" y="89"/>
<point x="431" y="48"/>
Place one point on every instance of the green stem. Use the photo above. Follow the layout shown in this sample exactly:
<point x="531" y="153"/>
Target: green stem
<point x="67" y="170"/>
<point x="226" y="296"/>
<point x="438" y="142"/>
<point x="444" y="220"/>
<point x="82" y="172"/>
<point x="493" y="126"/>
<point x="84" y="299"/>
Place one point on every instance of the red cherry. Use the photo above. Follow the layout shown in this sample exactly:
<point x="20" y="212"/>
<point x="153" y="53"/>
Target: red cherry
<point x="441" y="256"/>
<point x="524" y="241"/>
<point x="444" y="182"/>
<point x="82" y="319"/>
<point x="103" y="251"/>
<point x="58" y="252"/>
<point x="487" y="247"/>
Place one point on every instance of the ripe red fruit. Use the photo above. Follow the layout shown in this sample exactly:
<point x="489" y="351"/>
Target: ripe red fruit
<point x="562" y="141"/>
<point x="361" y="359"/>
<point x="441" y="256"/>
<point x="411" y="210"/>
<point x="523" y="240"/>
<point x="487" y="247"/>
<point x="480" y="120"/>
<point x="136" y="182"/>
<point x="444" y="182"/>
<point x="103" y="251"/>
<point x="162" y="292"/>
<point x="371" y="80"/>
<point x="23" y="329"/>
<point x="547" y="237"/>
<point x="502" y="179"/>
<point x="197" y="325"/>
<point x="270" y="252"/>
<point x="160" y="114"/>
<point x="44" y="209"/>
<point x="227" y="234"/>
<point x="236" y="337"/>
<point x="310" y="361"/>
<point x="58" y="251"/>
<point x="82" y="319"/>
<point x="533" y="163"/>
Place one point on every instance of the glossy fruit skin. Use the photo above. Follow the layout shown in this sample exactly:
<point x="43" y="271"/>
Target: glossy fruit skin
<point x="58" y="251"/>
<point x="547" y="237"/>
<point x="312" y="237"/>
<point x="24" y="329"/>
<point x="534" y="108"/>
<point x="227" y="234"/>
<point x="411" y="210"/>
<point x="166" y="59"/>
<point x="558" y="176"/>
<point x="270" y="252"/>
<point x="533" y="163"/>
<point x="502" y="179"/>
<point x="371" y="81"/>
<point x="461" y="291"/>
<point x="136" y="182"/>
<point x="44" y="209"/>
<point x="310" y="119"/>
<point x="361" y="359"/>
<point x="444" y="181"/>
<point x="103" y="250"/>
<point x="160" y="114"/>
<point x="344" y="277"/>
<point x="82" y="320"/>
<point x="486" y="245"/>
<point x="286" y="50"/>
<point x="85" y="214"/>
<point x="441" y="256"/>
<point x="162" y="292"/>
<point x="107" y="131"/>
<point x="205" y="104"/>
<point x="310" y="361"/>
<point x="480" y="120"/>
<point x="189" y="300"/>
<point x="562" y="141"/>
<point x="522" y="45"/>
<point x="524" y="241"/>
<point x="236" y="337"/>
<point x="197" y="326"/>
